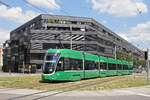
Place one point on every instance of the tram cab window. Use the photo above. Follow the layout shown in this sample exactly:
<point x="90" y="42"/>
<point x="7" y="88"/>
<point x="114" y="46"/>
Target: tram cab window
<point x="50" y="63"/>
<point x="112" y="66"/>
<point x="91" y="65"/>
<point x="103" y="65"/>
<point x="119" y="67"/>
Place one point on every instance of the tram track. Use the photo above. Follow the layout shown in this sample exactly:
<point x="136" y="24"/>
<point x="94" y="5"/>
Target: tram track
<point x="67" y="88"/>
<point x="76" y="88"/>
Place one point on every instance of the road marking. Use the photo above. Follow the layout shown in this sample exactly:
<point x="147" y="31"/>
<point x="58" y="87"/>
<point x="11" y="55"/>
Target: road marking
<point x="96" y="93"/>
<point x="141" y="94"/>
<point x="131" y="92"/>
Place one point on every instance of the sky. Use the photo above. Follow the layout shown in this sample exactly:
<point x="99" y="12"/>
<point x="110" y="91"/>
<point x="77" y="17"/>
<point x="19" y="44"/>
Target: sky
<point x="128" y="18"/>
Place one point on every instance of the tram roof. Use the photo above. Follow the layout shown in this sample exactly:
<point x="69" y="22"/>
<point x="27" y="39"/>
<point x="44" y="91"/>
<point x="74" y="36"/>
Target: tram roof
<point x="125" y="62"/>
<point x="103" y="59"/>
<point x="90" y="57"/>
<point x="67" y="53"/>
<point x="130" y="63"/>
<point x="78" y="55"/>
<point x="119" y="61"/>
<point x="111" y="60"/>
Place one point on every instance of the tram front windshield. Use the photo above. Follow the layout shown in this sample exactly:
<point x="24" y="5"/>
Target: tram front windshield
<point x="50" y="63"/>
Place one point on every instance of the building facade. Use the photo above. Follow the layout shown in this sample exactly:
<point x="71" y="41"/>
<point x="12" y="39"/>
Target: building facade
<point x="1" y="57"/>
<point x="29" y="42"/>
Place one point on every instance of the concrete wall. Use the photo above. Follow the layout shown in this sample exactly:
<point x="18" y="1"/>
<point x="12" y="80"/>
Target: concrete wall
<point x="1" y="57"/>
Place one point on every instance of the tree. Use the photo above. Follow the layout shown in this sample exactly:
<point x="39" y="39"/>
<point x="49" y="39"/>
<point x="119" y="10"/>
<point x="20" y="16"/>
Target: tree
<point x="137" y="63"/>
<point x="129" y="58"/>
<point x="142" y="63"/>
<point x="120" y="56"/>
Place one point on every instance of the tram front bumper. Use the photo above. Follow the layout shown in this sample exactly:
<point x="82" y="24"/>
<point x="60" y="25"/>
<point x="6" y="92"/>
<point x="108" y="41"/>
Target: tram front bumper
<point x="48" y="77"/>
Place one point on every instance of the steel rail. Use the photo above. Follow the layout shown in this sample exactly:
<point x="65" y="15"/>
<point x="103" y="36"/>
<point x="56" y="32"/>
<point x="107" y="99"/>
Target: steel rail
<point x="65" y="87"/>
<point x="76" y="88"/>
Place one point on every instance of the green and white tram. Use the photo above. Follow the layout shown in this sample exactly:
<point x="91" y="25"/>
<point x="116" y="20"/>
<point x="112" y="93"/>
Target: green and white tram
<point x="71" y="65"/>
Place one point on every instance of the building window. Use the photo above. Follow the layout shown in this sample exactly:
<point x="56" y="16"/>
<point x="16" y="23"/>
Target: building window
<point x="108" y="51"/>
<point x="73" y="22"/>
<point x="50" y="21"/>
<point x="35" y="56"/>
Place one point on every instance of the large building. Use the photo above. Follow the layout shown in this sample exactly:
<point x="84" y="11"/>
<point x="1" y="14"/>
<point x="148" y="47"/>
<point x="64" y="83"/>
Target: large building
<point x="1" y="57"/>
<point x="29" y="42"/>
<point x="6" y="56"/>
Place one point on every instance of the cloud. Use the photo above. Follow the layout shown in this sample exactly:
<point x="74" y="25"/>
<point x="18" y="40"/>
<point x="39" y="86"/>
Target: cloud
<point x="139" y="34"/>
<point x="16" y="14"/>
<point x="51" y="4"/>
<point x="120" y="8"/>
<point x="4" y="35"/>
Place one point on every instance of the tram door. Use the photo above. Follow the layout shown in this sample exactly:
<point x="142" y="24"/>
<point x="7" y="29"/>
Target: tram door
<point x="83" y="59"/>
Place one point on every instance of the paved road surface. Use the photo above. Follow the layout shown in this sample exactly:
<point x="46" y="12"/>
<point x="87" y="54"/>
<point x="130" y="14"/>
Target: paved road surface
<point x="136" y="93"/>
<point x="6" y="74"/>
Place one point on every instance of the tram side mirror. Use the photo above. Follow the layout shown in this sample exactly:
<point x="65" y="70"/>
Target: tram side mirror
<point x="59" y="62"/>
<point x="60" y="65"/>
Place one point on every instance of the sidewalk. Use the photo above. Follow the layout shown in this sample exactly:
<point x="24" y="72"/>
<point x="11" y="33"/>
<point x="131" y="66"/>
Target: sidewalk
<point x="7" y="74"/>
<point x="141" y="91"/>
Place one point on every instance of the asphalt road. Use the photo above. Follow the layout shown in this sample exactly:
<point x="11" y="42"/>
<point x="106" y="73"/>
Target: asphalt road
<point x="129" y="97"/>
<point x="136" y="93"/>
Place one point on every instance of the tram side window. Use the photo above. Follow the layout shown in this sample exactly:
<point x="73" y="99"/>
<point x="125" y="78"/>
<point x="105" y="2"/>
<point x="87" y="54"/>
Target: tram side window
<point x="63" y="64"/>
<point x="130" y="67"/>
<point x="111" y="66"/>
<point x="125" y="67"/>
<point x="91" y="65"/>
<point x="69" y="64"/>
<point x="76" y="64"/>
<point x="103" y="65"/>
<point x="66" y="64"/>
<point x="119" y="67"/>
